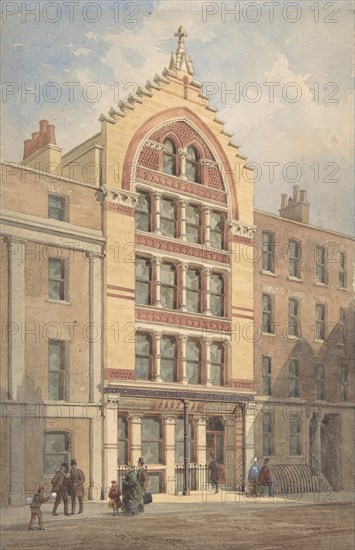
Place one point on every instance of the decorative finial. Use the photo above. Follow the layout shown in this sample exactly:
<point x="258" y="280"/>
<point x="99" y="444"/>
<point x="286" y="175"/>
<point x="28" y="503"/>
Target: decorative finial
<point x="180" y="50"/>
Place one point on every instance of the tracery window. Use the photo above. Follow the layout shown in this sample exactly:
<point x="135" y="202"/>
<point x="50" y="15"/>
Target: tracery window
<point x="169" y="158"/>
<point x="192" y="164"/>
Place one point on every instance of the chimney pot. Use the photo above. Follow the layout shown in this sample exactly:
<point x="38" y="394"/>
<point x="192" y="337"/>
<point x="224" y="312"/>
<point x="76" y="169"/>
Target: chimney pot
<point x="296" y="193"/>
<point x="51" y="134"/>
<point x="303" y="195"/>
<point x="283" y="200"/>
<point x="43" y="126"/>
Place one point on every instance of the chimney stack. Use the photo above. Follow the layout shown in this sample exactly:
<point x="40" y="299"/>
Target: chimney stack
<point x="295" y="208"/>
<point x="45" y="136"/>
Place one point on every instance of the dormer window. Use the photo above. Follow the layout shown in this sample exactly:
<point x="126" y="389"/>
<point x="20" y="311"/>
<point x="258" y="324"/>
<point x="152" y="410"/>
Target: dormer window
<point x="169" y="158"/>
<point x="192" y="164"/>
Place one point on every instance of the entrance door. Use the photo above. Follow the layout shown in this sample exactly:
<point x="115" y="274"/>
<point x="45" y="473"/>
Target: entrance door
<point x="215" y="443"/>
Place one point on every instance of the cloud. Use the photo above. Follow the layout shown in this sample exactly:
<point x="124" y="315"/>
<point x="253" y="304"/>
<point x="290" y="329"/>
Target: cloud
<point x="81" y="51"/>
<point x="90" y="36"/>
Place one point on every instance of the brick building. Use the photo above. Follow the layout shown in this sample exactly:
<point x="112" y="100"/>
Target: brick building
<point x="304" y="349"/>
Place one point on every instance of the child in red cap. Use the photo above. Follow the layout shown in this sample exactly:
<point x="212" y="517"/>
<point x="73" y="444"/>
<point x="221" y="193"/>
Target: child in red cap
<point x="37" y="501"/>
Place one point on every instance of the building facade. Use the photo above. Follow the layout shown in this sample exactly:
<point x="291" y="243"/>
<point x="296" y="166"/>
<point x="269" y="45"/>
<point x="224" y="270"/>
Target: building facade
<point x="304" y="349"/>
<point x="165" y="295"/>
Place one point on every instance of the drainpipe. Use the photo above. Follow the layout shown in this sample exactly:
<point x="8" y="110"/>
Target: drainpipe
<point x="186" y="465"/>
<point x="243" y="411"/>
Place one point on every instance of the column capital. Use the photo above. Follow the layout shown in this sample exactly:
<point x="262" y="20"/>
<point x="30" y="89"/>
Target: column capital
<point x="156" y="260"/>
<point x="158" y="194"/>
<point x="113" y="401"/>
<point x="182" y="266"/>
<point x="206" y="209"/>
<point x="207" y="340"/>
<point x="157" y="335"/>
<point x="135" y="418"/>
<point x="207" y="270"/>
<point x="183" y="338"/>
<point x="170" y="420"/>
<point x="182" y="152"/>
<point x="183" y="202"/>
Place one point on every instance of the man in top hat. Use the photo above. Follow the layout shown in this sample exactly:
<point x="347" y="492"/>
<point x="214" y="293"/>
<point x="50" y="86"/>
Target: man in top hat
<point x="77" y="480"/>
<point x="60" y="485"/>
<point x="142" y="474"/>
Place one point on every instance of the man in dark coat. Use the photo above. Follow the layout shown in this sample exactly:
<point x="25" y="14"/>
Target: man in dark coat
<point x="60" y="485"/>
<point x="214" y="475"/>
<point x="77" y="480"/>
<point x="142" y="474"/>
<point x="264" y="479"/>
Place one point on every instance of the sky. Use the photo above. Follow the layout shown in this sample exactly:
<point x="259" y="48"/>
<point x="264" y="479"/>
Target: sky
<point x="280" y="74"/>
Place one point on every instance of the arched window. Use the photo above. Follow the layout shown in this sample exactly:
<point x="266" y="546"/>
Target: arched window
<point x="193" y="290"/>
<point x="217" y="295"/>
<point x="168" y="218"/>
<point x="193" y="362"/>
<point x="217" y="364"/>
<point x="168" y="286"/>
<point x="168" y="359"/>
<point x="193" y="224"/>
<point x="169" y="157"/>
<point x="192" y="164"/>
<point x="217" y="230"/>
<point x="143" y="212"/>
<point x="143" y="356"/>
<point x="143" y="281"/>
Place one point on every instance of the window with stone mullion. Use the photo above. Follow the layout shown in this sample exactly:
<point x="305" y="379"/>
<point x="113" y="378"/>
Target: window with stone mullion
<point x="168" y="286"/>
<point x="168" y="359"/>
<point x="217" y="230"/>
<point x="217" y="364"/>
<point x="217" y="295"/>
<point x="143" y="213"/>
<point x="193" y="224"/>
<point x="193" y="362"/>
<point x="193" y="290"/>
<point x="143" y="281"/>
<point x="168" y="218"/>
<point x="143" y="356"/>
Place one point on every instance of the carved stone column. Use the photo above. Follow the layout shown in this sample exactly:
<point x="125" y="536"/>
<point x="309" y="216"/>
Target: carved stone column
<point x="208" y="341"/>
<point x="207" y="290"/>
<point x="183" y="204"/>
<point x="183" y="341"/>
<point x="201" y="423"/>
<point x="157" y="203"/>
<point x="182" y="273"/>
<point x="207" y="225"/>
<point x="157" y="340"/>
<point x="111" y="436"/>
<point x="170" y="453"/>
<point x="182" y="154"/>
<point x="157" y="283"/>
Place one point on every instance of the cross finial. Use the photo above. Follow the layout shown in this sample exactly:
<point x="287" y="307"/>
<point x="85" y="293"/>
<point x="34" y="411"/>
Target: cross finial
<point x="180" y="60"/>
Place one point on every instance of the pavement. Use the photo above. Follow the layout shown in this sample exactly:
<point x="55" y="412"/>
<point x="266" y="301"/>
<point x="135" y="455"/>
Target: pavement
<point x="164" y="504"/>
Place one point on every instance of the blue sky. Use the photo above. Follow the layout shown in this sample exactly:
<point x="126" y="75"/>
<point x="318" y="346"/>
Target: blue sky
<point x="290" y="64"/>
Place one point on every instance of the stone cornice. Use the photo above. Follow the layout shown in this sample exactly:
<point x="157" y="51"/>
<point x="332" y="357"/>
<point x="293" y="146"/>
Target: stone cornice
<point x="239" y="229"/>
<point x="119" y="197"/>
<point x="195" y="395"/>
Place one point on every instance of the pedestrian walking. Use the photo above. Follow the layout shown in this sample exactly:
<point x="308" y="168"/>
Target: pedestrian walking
<point x="264" y="479"/>
<point x="76" y="487"/>
<point x="142" y="474"/>
<point x="214" y="473"/>
<point x="114" y="495"/>
<point x="37" y="501"/>
<point x="253" y="476"/>
<point x="60" y="485"/>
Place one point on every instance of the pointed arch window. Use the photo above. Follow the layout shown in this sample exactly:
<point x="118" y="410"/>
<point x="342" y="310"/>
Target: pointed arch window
<point x="192" y="164"/>
<point x="169" y="157"/>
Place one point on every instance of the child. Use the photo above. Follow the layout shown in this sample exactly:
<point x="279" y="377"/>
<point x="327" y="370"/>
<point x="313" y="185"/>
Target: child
<point x="37" y="502"/>
<point x="115" y="495"/>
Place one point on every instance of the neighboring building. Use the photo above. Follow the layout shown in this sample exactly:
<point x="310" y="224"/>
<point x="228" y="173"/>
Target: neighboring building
<point x="51" y="313"/>
<point x="304" y="349"/>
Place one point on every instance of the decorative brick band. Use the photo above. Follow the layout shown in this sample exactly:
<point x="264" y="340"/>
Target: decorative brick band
<point x="119" y="209"/>
<point x="182" y="320"/>
<point x="242" y="384"/>
<point x="151" y="176"/>
<point x="119" y="374"/>
<point x="180" y="248"/>
<point x="240" y="240"/>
